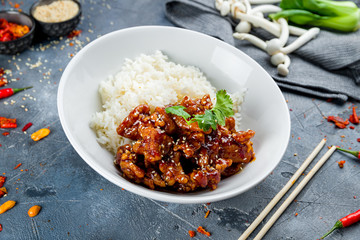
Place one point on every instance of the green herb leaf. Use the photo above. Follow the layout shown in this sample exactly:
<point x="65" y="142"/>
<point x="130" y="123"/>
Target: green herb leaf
<point x="223" y="107"/>
<point x="211" y="118"/>
<point x="206" y="120"/>
<point x="179" y="111"/>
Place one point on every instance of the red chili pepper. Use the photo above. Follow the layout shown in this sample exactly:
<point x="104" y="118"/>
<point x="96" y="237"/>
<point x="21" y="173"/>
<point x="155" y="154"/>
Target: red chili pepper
<point x="2" y="181"/>
<point x="3" y="23"/>
<point x="3" y="192"/>
<point x="200" y="229"/>
<point x="74" y="33"/>
<point x="355" y="153"/>
<point x="192" y="233"/>
<point x="345" y="222"/>
<point x="7" y="92"/>
<point x="341" y="163"/>
<point x="17" y="166"/>
<point x="339" y="122"/>
<point x="3" y="81"/>
<point x="11" y="31"/>
<point x="353" y="117"/>
<point x="6" y="37"/>
<point x="7" y="122"/>
<point x="26" y="127"/>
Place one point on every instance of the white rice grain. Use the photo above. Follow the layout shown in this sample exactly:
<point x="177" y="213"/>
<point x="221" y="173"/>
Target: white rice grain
<point x="152" y="80"/>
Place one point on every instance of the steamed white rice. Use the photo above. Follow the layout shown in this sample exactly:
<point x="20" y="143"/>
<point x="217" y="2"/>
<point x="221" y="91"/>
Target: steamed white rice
<point x="149" y="79"/>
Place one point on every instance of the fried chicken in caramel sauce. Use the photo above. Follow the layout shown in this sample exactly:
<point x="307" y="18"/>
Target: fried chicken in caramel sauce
<point x="170" y="153"/>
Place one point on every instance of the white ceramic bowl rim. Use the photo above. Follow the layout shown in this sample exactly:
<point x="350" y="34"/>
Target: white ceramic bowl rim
<point x="158" y="195"/>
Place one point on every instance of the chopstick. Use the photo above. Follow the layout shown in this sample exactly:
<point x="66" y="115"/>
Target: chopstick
<point x="296" y="191"/>
<point x="282" y="192"/>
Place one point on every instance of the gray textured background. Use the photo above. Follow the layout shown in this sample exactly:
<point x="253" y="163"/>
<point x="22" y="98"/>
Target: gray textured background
<point x="77" y="203"/>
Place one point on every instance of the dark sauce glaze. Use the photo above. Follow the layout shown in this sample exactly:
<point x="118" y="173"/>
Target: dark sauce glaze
<point x="168" y="154"/>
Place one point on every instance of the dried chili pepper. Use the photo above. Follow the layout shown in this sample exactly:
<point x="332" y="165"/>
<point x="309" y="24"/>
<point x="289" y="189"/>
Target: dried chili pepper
<point x="1" y="228"/>
<point x="192" y="233"/>
<point x="34" y="211"/>
<point x="207" y="214"/>
<point x="40" y="134"/>
<point x="2" y="181"/>
<point x="339" y="122"/>
<point x="200" y="229"/>
<point x="7" y="122"/>
<point x="74" y="33"/>
<point x="3" y="80"/>
<point x="355" y="153"/>
<point x="11" y="31"/>
<point x="7" y="206"/>
<point x="341" y="163"/>
<point x="7" y="92"/>
<point x="26" y="127"/>
<point x="3" y="191"/>
<point x="345" y="222"/>
<point x="354" y="117"/>
<point x="17" y="166"/>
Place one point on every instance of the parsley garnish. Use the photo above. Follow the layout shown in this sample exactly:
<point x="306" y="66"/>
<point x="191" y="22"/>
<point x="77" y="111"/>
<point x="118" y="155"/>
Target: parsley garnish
<point x="211" y="118"/>
<point x="179" y="111"/>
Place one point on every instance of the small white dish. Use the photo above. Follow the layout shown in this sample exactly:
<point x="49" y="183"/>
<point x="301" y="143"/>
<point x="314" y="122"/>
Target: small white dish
<point x="264" y="110"/>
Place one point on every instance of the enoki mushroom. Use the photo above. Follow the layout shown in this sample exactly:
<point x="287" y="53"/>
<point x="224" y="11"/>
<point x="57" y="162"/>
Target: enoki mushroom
<point x="249" y="17"/>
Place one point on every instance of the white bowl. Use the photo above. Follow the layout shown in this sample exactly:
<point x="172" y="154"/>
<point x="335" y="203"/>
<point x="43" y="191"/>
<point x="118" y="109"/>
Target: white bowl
<point x="226" y="67"/>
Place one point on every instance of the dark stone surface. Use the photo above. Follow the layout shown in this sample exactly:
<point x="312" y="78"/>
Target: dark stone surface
<point x="77" y="203"/>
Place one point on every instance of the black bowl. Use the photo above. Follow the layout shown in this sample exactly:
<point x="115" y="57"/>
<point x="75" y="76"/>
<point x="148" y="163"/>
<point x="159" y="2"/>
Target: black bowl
<point x="56" y="29"/>
<point x="20" y="44"/>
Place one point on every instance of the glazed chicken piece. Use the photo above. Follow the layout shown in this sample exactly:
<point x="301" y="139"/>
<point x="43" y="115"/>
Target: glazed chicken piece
<point x="206" y="177"/>
<point x="162" y="120"/>
<point x="140" y="117"/>
<point x="130" y="125"/>
<point x="190" y="143"/>
<point x="233" y="169"/>
<point x="236" y="146"/>
<point x="170" y="153"/>
<point x="172" y="170"/>
<point x="193" y="107"/>
<point x="155" y="144"/>
<point x="127" y="161"/>
<point x="197" y="106"/>
<point x="153" y="178"/>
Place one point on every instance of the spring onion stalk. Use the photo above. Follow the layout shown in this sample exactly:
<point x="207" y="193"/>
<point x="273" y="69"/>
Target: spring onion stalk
<point x="339" y="15"/>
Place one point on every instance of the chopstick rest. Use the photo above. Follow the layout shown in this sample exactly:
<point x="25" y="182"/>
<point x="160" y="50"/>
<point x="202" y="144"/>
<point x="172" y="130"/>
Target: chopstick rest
<point x="283" y="191"/>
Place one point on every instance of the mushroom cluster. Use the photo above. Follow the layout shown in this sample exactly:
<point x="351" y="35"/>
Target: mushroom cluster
<point x="249" y="17"/>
